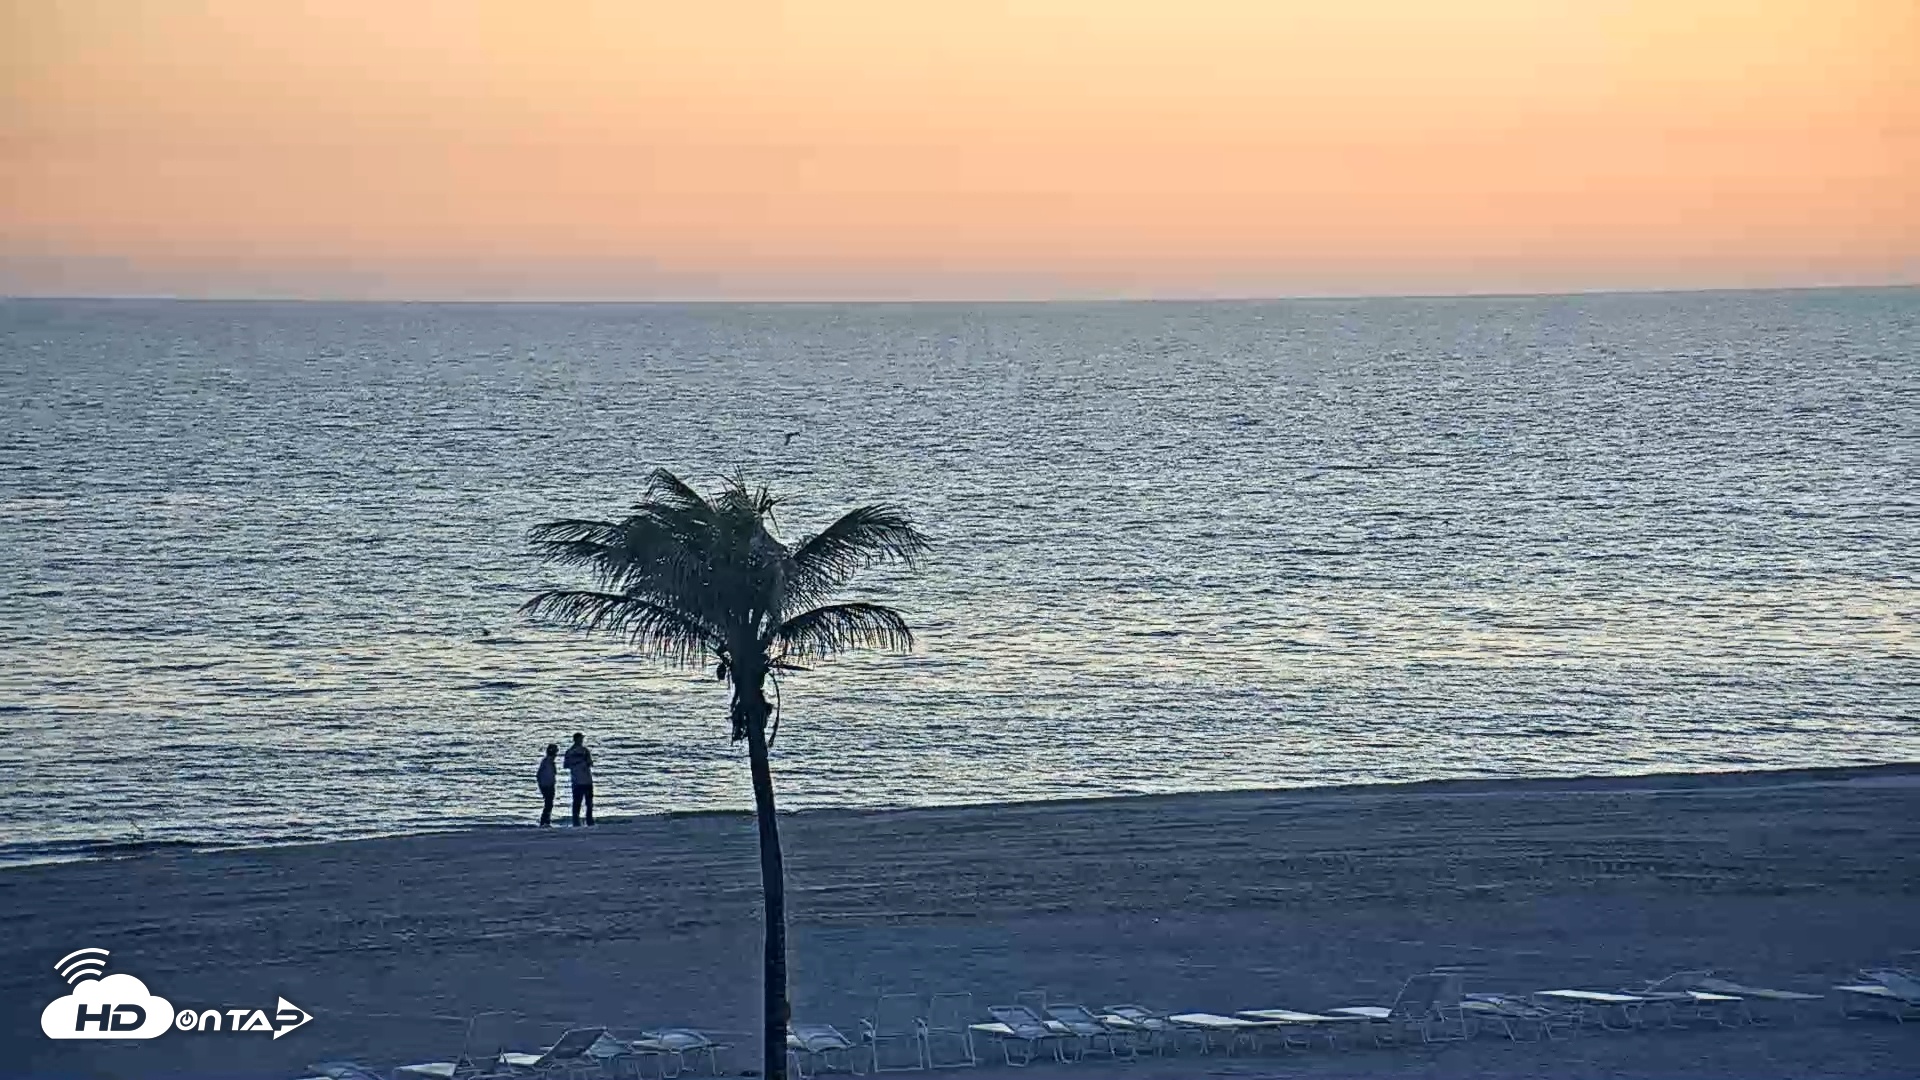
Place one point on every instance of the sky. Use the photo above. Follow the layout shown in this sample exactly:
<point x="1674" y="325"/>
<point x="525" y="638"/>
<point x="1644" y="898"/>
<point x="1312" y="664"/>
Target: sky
<point x="954" y="149"/>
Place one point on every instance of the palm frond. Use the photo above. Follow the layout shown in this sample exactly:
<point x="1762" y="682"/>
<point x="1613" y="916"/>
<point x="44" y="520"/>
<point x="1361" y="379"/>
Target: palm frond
<point x="668" y="490"/>
<point x="862" y="537"/>
<point x="836" y="628"/>
<point x="739" y="495"/>
<point x="651" y="628"/>
<point x="665" y="550"/>
<point x="573" y="541"/>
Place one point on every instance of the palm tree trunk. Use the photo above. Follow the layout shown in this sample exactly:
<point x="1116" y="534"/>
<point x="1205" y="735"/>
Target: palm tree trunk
<point x="774" y="883"/>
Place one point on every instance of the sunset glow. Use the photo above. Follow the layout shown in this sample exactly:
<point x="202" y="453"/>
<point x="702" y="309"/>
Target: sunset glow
<point x="859" y="148"/>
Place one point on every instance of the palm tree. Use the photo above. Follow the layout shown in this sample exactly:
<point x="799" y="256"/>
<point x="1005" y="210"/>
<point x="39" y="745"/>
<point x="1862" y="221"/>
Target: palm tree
<point x="693" y="580"/>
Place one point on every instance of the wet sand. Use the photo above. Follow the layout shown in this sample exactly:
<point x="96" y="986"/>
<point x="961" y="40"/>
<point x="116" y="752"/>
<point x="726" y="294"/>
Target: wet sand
<point x="1299" y="899"/>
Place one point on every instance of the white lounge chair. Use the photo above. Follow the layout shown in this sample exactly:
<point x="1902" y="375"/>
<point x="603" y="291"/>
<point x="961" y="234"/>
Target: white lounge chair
<point x="1092" y="1033"/>
<point x="1229" y="1032"/>
<point x="341" y="1070"/>
<point x="1422" y="1005"/>
<point x="1018" y="1025"/>
<point x="1514" y="1016"/>
<point x="1904" y="984"/>
<point x="612" y="1057"/>
<point x="1448" y="1016"/>
<point x="1150" y="1030"/>
<point x="677" y="1048"/>
<point x="567" y="1054"/>
<point x="1788" y="1000"/>
<point x="898" y="1022"/>
<point x="817" y="1045"/>
<point x="944" y="1037"/>
<point x="1305" y="1024"/>
<point x="1886" y="992"/>
<point x="1677" y="1007"/>
<point x="1599" y="1006"/>
<point x="486" y="1038"/>
<point x="1688" y="995"/>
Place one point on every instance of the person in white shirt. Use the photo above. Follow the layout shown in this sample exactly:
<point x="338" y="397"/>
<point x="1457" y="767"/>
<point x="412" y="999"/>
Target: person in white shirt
<point x="545" y="778"/>
<point x="580" y="768"/>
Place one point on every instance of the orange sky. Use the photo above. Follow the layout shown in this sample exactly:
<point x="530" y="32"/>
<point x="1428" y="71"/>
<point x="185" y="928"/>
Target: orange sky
<point x="853" y="148"/>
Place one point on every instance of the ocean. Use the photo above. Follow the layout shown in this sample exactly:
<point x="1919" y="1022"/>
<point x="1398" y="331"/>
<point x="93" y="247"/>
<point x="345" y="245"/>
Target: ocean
<point x="262" y="560"/>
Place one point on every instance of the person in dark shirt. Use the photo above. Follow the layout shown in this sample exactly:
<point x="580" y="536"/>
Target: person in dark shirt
<point x="545" y="777"/>
<point x="580" y="767"/>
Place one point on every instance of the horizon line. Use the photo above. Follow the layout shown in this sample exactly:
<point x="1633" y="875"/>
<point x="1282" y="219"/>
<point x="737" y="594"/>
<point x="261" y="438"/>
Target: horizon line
<point x="878" y="301"/>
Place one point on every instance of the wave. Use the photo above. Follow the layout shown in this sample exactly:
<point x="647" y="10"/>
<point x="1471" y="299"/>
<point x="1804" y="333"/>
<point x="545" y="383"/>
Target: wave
<point x="24" y="852"/>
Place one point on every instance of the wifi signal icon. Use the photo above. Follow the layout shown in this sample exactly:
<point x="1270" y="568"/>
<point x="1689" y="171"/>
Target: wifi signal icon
<point x="82" y="964"/>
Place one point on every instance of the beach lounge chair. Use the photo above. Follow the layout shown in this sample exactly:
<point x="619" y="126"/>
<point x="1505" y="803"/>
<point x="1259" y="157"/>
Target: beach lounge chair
<point x="1885" y="992"/>
<point x="612" y="1058"/>
<point x="817" y="1045"/>
<point x="944" y="1039"/>
<point x="898" y="1024"/>
<point x="1788" y="1000"/>
<point x="1905" y="984"/>
<point x="1304" y="1024"/>
<point x="678" y="1048"/>
<point x="341" y="1070"/>
<point x="1514" y="1016"/>
<point x="1598" y="1006"/>
<point x="1678" y="999"/>
<point x="1149" y="1030"/>
<point x="1228" y="1032"/>
<point x="485" y="1040"/>
<point x="1019" y="1026"/>
<point x="1093" y="1034"/>
<point x="1449" y="1018"/>
<point x="1427" y="1003"/>
<point x="630" y="1058"/>
<point x="1682" y="997"/>
<point x="568" y="1055"/>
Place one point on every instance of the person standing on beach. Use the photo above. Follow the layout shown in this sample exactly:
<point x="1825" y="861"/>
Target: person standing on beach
<point x="580" y="767"/>
<point x="545" y="777"/>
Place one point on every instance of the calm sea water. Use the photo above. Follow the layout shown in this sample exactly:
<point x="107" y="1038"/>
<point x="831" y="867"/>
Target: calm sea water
<point x="261" y="561"/>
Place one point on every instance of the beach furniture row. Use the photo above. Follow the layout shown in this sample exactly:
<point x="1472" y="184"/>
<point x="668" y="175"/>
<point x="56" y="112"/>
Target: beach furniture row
<point x="914" y="1032"/>
<point x="1430" y="1007"/>
<point x="486" y="1054"/>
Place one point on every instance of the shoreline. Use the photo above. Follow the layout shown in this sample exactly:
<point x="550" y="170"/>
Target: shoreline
<point x="113" y="850"/>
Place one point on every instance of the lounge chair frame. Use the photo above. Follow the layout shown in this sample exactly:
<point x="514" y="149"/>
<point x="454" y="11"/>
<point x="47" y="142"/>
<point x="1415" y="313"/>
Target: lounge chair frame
<point x="1598" y="1008"/>
<point x="898" y="1020"/>
<point x="816" y="1045"/>
<point x="1019" y="1025"/>
<point x="1513" y="1016"/>
<point x="484" y="1040"/>
<point x="1149" y="1029"/>
<point x="1428" y="1003"/>
<point x="1232" y="1032"/>
<point x="679" y="1048"/>
<point x="1093" y="1033"/>
<point x="1890" y="992"/>
<point x="946" y="1025"/>
<point x="568" y="1055"/>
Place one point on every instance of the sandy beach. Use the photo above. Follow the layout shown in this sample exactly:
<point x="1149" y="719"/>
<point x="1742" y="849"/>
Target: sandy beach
<point x="1301" y="899"/>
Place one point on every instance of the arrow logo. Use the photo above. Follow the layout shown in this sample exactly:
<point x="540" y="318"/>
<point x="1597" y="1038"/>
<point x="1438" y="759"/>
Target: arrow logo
<point x="287" y="1017"/>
